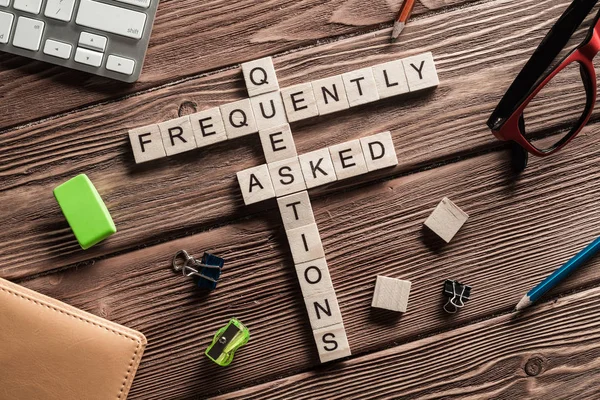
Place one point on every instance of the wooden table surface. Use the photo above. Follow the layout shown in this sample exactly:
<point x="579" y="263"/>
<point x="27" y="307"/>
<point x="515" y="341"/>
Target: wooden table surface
<point x="56" y="123"/>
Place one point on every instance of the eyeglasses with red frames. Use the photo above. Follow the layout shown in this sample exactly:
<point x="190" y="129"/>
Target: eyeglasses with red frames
<point x="508" y="122"/>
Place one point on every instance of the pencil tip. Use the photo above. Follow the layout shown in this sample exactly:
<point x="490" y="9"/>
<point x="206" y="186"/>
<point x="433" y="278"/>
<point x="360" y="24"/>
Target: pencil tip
<point x="398" y="27"/>
<point x="524" y="303"/>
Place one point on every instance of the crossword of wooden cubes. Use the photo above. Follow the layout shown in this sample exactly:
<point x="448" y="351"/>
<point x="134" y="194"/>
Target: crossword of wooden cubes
<point x="287" y="175"/>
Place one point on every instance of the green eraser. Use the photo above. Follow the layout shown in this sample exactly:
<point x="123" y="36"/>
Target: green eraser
<point x="85" y="211"/>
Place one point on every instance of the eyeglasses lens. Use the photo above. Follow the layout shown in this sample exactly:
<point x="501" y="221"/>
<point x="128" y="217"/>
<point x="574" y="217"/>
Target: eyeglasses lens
<point x="557" y="110"/>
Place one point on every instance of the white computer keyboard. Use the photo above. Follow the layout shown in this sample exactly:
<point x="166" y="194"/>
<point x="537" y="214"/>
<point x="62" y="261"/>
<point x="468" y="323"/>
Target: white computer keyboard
<point x="107" y="37"/>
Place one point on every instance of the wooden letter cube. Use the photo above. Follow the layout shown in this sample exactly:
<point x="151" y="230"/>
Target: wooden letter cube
<point x="317" y="168"/>
<point x="299" y="102"/>
<point x="330" y="95"/>
<point x="208" y="127"/>
<point x="323" y="310"/>
<point x="238" y="118"/>
<point x="146" y="143"/>
<point x="420" y="72"/>
<point x="296" y="210"/>
<point x="286" y="176"/>
<point x="390" y="79"/>
<point x="348" y="159"/>
<point x="314" y="277"/>
<point x="177" y="135"/>
<point x="260" y="76"/>
<point x="305" y="243"/>
<point x="255" y="184"/>
<point x="278" y="143"/>
<point x="360" y="87"/>
<point x="446" y="219"/>
<point x="332" y="343"/>
<point x="391" y="294"/>
<point x="268" y="110"/>
<point x="379" y="151"/>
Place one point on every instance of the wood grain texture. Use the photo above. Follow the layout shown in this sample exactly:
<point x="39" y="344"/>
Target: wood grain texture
<point x="191" y="38"/>
<point x="511" y="237"/>
<point x="551" y="352"/>
<point x="198" y="190"/>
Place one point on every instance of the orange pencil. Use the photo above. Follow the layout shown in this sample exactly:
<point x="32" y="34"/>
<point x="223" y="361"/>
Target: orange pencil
<point x="403" y="16"/>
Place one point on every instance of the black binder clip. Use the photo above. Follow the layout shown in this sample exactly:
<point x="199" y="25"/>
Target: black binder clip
<point x="205" y="272"/>
<point x="457" y="294"/>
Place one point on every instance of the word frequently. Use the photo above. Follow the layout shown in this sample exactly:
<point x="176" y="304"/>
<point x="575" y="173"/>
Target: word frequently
<point x="269" y="107"/>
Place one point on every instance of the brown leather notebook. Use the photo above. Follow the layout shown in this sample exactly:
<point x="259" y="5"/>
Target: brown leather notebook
<point x="50" y="350"/>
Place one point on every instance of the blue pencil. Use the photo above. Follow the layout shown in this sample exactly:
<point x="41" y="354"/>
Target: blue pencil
<point x="557" y="276"/>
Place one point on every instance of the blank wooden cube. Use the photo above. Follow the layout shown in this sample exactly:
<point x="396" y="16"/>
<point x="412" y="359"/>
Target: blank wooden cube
<point x="208" y="127"/>
<point x="296" y="210"/>
<point x="360" y="87"/>
<point x="348" y="159"/>
<point x="286" y="176"/>
<point x="330" y="95"/>
<point x="379" y="151"/>
<point x="268" y="110"/>
<point x="314" y="277"/>
<point x="390" y="79"/>
<point x="420" y="72"/>
<point x="332" y="343"/>
<point x="260" y="76"/>
<point x="446" y="219"/>
<point x="299" y="102"/>
<point x="317" y="168"/>
<point x="146" y="143"/>
<point x="391" y="294"/>
<point x="323" y="310"/>
<point x="278" y="143"/>
<point x="305" y="243"/>
<point x="177" y="135"/>
<point x="255" y="184"/>
<point x="238" y="118"/>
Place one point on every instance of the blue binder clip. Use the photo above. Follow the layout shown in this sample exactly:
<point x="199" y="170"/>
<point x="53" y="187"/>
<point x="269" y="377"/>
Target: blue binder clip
<point x="205" y="272"/>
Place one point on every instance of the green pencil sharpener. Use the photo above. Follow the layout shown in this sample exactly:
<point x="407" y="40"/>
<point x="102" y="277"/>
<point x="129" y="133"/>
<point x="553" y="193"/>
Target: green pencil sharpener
<point x="226" y="341"/>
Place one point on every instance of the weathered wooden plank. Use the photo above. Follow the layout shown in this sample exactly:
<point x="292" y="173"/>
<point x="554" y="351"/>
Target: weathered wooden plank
<point x="197" y="190"/>
<point x="551" y="352"/>
<point x="192" y="37"/>
<point x="517" y="233"/>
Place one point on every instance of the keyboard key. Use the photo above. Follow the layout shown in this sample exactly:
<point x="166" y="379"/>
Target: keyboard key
<point x="141" y="3"/>
<point x="30" y="6"/>
<point x="61" y="10"/>
<point x="4" y="3"/>
<point x="88" y="57"/>
<point x="58" y="49"/>
<point x="107" y="18"/>
<point x="119" y="64"/>
<point x="94" y="42"/>
<point x="6" y="21"/>
<point x="28" y="34"/>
